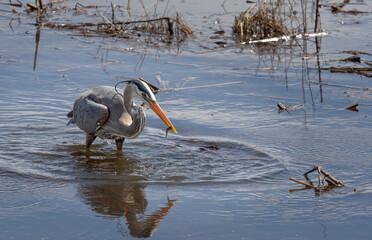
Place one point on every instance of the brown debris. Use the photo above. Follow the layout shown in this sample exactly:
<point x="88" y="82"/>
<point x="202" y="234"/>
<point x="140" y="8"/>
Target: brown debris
<point x="156" y="30"/>
<point x="348" y="59"/>
<point x="353" y="107"/>
<point x="338" y="9"/>
<point x="357" y="53"/>
<point x="326" y="181"/>
<point x="283" y="107"/>
<point x="364" y="71"/>
<point x="338" y="85"/>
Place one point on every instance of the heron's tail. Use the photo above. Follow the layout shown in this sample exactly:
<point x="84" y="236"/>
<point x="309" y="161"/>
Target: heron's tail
<point x="70" y="115"/>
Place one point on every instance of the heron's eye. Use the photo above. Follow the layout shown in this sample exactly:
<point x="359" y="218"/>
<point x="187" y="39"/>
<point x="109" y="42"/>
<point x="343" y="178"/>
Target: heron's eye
<point x="143" y="94"/>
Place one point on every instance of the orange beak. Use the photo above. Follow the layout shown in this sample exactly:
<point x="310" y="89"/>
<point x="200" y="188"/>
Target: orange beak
<point x="156" y="108"/>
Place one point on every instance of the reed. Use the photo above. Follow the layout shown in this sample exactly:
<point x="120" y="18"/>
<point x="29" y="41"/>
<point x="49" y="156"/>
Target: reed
<point x="266" y="20"/>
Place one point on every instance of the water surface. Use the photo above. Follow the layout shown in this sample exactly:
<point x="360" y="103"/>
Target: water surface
<point x="225" y="175"/>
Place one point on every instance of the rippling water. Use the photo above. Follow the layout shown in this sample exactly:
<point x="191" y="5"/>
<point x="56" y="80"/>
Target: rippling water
<point x="224" y="176"/>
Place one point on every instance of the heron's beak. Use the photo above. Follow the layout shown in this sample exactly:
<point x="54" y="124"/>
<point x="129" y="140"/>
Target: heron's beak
<point x="156" y="108"/>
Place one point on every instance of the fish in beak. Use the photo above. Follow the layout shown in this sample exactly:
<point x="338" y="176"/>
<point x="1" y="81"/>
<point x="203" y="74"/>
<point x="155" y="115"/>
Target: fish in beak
<point x="156" y="108"/>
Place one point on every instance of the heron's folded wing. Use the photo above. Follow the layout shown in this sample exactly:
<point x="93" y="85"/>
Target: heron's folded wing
<point x="90" y="115"/>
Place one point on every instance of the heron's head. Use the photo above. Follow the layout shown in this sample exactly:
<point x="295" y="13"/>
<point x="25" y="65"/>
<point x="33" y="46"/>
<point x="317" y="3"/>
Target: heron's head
<point x="144" y="93"/>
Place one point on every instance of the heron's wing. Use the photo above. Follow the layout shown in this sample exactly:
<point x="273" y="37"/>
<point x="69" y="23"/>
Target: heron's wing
<point x="90" y="114"/>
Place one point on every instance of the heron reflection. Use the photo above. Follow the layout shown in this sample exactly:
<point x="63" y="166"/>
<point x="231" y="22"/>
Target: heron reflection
<point x="125" y="200"/>
<point x="119" y="199"/>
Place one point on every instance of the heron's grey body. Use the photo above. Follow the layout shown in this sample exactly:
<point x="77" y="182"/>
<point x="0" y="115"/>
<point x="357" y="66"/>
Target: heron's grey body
<point x="105" y="112"/>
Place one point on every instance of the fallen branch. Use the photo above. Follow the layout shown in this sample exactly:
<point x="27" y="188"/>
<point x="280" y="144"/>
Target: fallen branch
<point x="337" y="85"/>
<point x="364" y="71"/>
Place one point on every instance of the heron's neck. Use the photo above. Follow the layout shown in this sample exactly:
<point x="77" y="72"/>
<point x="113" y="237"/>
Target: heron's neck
<point x="129" y="104"/>
<point x="136" y="112"/>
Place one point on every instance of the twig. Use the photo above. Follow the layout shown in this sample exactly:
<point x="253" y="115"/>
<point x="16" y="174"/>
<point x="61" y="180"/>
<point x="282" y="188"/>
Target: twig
<point x="128" y="8"/>
<point x="32" y="7"/>
<point x="41" y="4"/>
<point x="332" y="182"/>
<point x="320" y="176"/>
<point x="312" y="170"/>
<point x="332" y="178"/>
<point x="307" y="185"/>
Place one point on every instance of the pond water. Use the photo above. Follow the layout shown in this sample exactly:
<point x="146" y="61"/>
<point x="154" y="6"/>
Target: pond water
<point x="226" y="174"/>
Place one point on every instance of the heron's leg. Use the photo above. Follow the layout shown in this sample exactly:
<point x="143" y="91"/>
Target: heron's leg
<point x="119" y="144"/>
<point x="90" y="139"/>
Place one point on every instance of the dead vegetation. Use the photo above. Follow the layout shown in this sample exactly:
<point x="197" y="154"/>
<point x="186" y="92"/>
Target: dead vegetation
<point x="338" y="8"/>
<point x="261" y="21"/>
<point x="364" y="70"/>
<point x="326" y="181"/>
<point x="273" y="18"/>
<point x="169" y="28"/>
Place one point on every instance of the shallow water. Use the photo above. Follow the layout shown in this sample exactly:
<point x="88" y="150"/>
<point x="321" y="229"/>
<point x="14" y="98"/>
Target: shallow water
<point x="225" y="175"/>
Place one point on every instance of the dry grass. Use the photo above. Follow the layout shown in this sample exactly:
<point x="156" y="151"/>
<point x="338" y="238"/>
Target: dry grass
<point x="265" y="20"/>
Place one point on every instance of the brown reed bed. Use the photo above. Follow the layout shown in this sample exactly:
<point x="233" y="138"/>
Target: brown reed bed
<point x="260" y="21"/>
<point x="171" y="27"/>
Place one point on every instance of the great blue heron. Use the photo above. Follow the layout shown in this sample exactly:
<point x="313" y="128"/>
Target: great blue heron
<point x="104" y="112"/>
